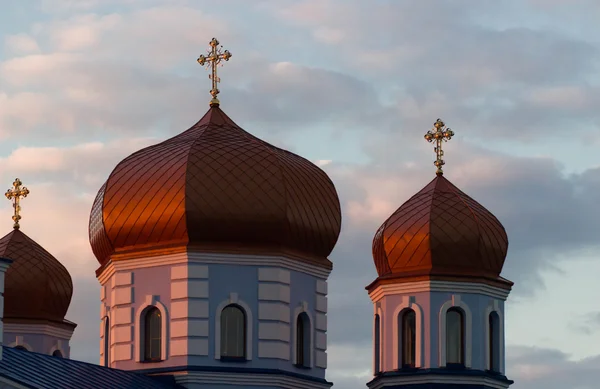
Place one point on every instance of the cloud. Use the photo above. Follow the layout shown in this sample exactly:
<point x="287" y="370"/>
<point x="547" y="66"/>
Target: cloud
<point x="21" y="44"/>
<point x="587" y="323"/>
<point x="534" y="368"/>
<point x="480" y="73"/>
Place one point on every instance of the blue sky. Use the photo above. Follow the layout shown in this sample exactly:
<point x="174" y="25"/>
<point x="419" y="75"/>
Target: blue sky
<point x="85" y="83"/>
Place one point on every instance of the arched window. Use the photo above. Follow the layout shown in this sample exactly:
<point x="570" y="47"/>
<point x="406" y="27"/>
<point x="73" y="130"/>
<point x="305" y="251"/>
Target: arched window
<point x="455" y="335"/>
<point x="303" y="340"/>
<point x="409" y="338"/>
<point x="57" y="353"/>
<point x="377" y="344"/>
<point x="152" y="335"/>
<point x="20" y="348"/>
<point x="106" y="341"/>
<point x="494" y="341"/>
<point x="233" y="332"/>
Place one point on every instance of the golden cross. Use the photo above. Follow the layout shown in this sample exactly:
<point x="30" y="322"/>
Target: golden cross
<point x="215" y="56"/>
<point x="15" y="195"/>
<point x="439" y="133"/>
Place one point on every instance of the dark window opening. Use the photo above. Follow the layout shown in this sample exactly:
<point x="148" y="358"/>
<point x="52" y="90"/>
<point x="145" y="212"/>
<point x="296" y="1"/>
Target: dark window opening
<point x="152" y="335"/>
<point x="377" y="344"/>
<point x="233" y="333"/>
<point x="455" y="334"/>
<point x="303" y="340"/>
<point x="408" y="338"/>
<point x="494" y="342"/>
<point x="106" y="341"/>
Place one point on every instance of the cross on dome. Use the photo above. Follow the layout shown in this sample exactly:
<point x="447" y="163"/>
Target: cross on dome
<point x="439" y="133"/>
<point x="15" y="195"/>
<point x="214" y="58"/>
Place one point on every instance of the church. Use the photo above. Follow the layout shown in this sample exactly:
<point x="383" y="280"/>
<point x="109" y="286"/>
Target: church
<point x="212" y="250"/>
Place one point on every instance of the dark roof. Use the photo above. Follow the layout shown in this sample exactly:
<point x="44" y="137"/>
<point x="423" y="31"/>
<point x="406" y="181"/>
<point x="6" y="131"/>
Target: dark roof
<point x="40" y="371"/>
<point x="36" y="285"/>
<point x="215" y="187"/>
<point x="441" y="231"/>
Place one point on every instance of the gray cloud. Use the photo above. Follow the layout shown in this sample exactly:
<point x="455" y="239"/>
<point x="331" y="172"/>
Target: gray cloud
<point x="541" y="368"/>
<point x="443" y="57"/>
<point x="587" y="323"/>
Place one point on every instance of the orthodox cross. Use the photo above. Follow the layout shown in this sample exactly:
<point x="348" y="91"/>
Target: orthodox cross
<point x="15" y="193"/>
<point x="215" y="56"/>
<point x="439" y="133"/>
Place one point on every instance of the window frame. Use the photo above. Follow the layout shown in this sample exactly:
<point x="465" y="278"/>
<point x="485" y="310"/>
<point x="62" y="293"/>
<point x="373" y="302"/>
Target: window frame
<point x="236" y="358"/>
<point x="462" y="342"/>
<point x="234" y="299"/>
<point x="106" y="340"/>
<point x="494" y="342"/>
<point x="149" y="302"/>
<point x="303" y="341"/>
<point x="377" y="368"/>
<point x="147" y="356"/>
<point x="402" y="338"/>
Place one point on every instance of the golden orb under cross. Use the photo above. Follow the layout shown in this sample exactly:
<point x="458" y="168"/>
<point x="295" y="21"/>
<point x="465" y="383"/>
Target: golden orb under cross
<point x="439" y="133"/>
<point x="214" y="59"/>
<point x="15" y="194"/>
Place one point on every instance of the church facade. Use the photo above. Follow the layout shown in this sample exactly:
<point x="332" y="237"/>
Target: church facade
<point x="213" y="254"/>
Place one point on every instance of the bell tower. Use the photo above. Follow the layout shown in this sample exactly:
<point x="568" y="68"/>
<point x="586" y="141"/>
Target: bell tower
<point x="438" y="302"/>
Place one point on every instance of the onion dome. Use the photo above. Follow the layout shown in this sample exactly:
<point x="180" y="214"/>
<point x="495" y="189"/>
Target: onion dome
<point x="440" y="231"/>
<point x="214" y="188"/>
<point x="36" y="285"/>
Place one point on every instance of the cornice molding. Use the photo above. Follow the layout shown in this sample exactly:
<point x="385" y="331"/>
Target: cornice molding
<point x="467" y="381"/>
<point x="41" y="329"/>
<point x="211" y="258"/>
<point x="245" y="379"/>
<point x="438" y="286"/>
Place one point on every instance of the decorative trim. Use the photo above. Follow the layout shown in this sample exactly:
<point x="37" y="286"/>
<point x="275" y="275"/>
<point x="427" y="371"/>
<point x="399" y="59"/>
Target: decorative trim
<point x="38" y="329"/>
<point x="209" y="258"/>
<point x="494" y="306"/>
<point x="408" y="303"/>
<point x="19" y="342"/>
<point x="456" y="301"/>
<point x="273" y="274"/>
<point x="378" y="311"/>
<point x="274" y="310"/>
<point x="303" y="308"/>
<point x="186" y="378"/>
<point x="151" y="301"/>
<point x="438" y="286"/>
<point x="57" y="347"/>
<point x="432" y="379"/>
<point x="233" y="299"/>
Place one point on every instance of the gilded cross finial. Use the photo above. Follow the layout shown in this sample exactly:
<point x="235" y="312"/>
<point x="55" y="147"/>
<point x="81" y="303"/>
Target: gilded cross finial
<point x="214" y="58"/>
<point x="439" y="133"/>
<point x="15" y="193"/>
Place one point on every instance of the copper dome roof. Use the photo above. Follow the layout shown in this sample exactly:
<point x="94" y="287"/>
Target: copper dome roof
<point x="440" y="231"/>
<point x="216" y="187"/>
<point x="36" y="285"/>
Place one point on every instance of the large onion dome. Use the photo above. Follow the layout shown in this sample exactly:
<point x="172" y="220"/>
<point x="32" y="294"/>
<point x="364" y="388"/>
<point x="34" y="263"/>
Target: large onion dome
<point x="215" y="187"/>
<point x="36" y="285"/>
<point x="440" y="231"/>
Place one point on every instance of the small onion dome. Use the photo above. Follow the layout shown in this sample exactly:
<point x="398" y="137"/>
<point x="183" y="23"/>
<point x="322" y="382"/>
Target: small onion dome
<point x="215" y="188"/>
<point x="440" y="231"/>
<point x="36" y="285"/>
